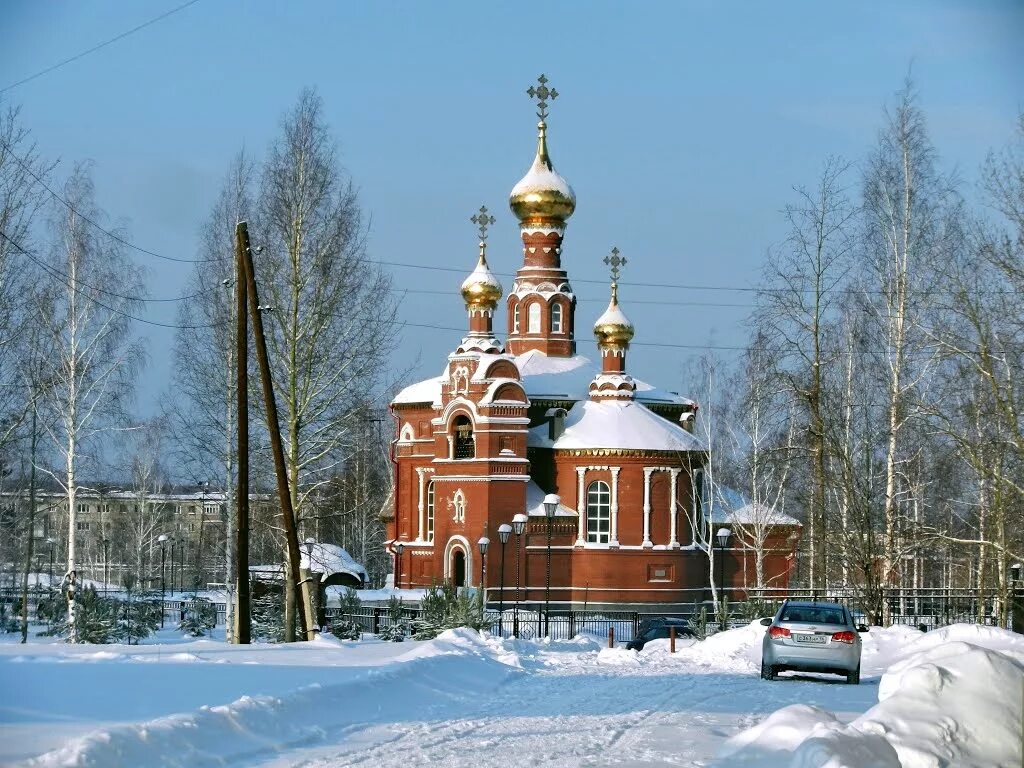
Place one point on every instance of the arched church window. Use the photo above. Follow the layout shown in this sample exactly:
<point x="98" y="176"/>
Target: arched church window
<point x="534" y="318"/>
<point x="463" y="433"/>
<point x="599" y="512"/>
<point x="430" y="511"/>
<point x="556" y="318"/>
<point x="515" y="319"/>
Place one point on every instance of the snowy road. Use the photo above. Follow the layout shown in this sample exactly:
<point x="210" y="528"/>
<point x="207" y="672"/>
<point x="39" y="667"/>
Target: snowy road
<point x="951" y="697"/>
<point x="586" y="709"/>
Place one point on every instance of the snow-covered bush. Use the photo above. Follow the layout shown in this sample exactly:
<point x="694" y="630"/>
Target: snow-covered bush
<point x="444" y="607"/>
<point x="8" y="619"/>
<point x="343" y="626"/>
<point x="200" y="617"/>
<point x="138" y="616"/>
<point x="95" y="617"/>
<point x="397" y="627"/>
<point x="268" y="617"/>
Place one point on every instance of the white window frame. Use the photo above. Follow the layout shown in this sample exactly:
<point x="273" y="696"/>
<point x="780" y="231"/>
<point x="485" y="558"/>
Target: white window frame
<point x="533" y="318"/>
<point x="556" y="317"/>
<point x="599" y="508"/>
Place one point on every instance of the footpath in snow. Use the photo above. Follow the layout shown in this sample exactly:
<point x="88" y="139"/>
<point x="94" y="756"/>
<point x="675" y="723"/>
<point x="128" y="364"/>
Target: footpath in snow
<point x="951" y="697"/>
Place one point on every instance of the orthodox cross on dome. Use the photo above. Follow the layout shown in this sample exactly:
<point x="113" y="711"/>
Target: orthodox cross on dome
<point x="483" y="221"/>
<point x="615" y="262"/>
<point x="542" y="94"/>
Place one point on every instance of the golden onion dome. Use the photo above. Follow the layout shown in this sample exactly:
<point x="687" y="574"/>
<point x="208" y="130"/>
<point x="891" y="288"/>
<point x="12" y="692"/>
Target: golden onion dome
<point x="613" y="328"/>
<point x="481" y="289"/>
<point x="542" y="195"/>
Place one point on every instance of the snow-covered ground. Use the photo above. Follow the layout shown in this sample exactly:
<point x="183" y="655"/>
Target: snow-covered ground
<point x="947" y="698"/>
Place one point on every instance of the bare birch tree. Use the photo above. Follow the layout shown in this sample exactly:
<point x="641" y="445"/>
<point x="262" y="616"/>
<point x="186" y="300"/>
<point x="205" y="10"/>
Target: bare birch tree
<point x="92" y="367"/>
<point x="333" y="325"/>
<point x="806" y="279"/>
<point x="204" y="354"/>
<point x="906" y="206"/>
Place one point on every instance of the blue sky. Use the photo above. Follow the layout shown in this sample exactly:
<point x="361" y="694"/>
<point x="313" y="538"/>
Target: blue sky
<point x="682" y="127"/>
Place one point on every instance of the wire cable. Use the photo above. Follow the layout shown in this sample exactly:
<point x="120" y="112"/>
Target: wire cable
<point x="116" y="238"/>
<point x="104" y="44"/>
<point x="60" y="277"/>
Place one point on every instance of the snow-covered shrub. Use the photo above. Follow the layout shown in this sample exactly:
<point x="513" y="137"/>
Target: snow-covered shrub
<point x="200" y="617"/>
<point x="343" y="626"/>
<point x="8" y="619"/>
<point x="444" y="607"/>
<point x="95" y="617"/>
<point x="138" y="616"/>
<point x="268" y="617"/>
<point x="397" y="627"/>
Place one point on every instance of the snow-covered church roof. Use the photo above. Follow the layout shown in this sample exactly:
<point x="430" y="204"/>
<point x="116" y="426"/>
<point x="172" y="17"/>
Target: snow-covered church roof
<point x="547" y="378"/>
<point x="615" y="425"/>
<point x="731" y="506"/>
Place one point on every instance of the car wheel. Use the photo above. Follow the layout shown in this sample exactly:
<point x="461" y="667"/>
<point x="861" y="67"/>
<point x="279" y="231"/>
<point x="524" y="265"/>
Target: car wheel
<point x="767" y="671"/>
<point x="853" y="678"/>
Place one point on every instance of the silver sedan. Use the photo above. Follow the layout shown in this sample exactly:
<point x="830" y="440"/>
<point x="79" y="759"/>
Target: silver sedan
<point x="812" y="637"/>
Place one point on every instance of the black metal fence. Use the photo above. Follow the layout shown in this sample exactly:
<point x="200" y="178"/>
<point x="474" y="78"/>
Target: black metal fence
<point x="925" y="608"/>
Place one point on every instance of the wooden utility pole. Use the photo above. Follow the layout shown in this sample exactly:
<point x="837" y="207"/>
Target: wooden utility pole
<point x="305" y="602"/>
<point x="243" y="614"/>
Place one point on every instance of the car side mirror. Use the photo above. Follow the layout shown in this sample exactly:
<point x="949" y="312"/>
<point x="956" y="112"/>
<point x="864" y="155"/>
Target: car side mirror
<point x="862" y="628"/>
<point x="766" y="622"/>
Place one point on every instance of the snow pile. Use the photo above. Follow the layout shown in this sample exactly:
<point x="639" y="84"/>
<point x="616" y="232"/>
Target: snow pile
<point x="737" y="650"/>
<point x="463" y="641"/>
<point x="457" y="664"/>
<point x="948" y="702"/>
<point x="618" y="657"/>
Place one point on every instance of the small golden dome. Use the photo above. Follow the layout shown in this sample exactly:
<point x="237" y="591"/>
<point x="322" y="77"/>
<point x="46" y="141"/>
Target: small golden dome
<point x="481" y="289"/>
<point x="542" y="195"/>
<point x="613" y="328"/>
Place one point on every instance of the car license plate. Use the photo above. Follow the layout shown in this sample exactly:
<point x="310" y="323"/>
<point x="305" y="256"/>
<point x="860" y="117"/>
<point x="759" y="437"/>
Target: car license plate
<point x="812" y="639"/>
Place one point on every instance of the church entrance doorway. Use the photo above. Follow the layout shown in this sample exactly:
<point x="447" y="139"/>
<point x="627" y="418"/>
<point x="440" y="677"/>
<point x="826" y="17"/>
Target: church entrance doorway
<point x="458" y="568"/>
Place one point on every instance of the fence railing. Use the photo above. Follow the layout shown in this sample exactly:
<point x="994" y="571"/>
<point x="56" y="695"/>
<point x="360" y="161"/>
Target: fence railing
<point x="926" y="608"/>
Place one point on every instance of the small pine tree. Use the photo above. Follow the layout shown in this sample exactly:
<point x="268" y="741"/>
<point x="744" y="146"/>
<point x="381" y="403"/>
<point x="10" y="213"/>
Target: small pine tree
<point x="8" y="620"/>
<point x="344" y="626"/>
<point x="397" y="627"/>
<point x="268" y="617"/>
<point x="444" y="607"/>
<point x="200" y="617"/>
<point x="96" y="618"/>
<point x="433" y="610"/>
<point x="138" y="615"/>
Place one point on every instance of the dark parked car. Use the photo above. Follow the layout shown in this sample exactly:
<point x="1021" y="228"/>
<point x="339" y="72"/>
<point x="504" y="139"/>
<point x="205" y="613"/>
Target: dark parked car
<point x="812" y="637"/>
<point x="658" y="629"/>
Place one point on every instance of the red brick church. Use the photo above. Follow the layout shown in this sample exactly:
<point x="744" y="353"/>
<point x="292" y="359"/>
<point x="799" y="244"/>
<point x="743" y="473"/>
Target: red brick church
<point x="508" y="423"/>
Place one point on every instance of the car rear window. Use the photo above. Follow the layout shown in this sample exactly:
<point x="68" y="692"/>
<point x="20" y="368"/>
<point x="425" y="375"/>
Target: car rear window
<point x="813" y="615"/>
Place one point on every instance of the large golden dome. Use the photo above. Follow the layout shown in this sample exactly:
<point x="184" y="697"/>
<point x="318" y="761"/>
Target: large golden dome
<point x="481" y="289"/>
<point x="613" y="328"/>
<point x="542" y="195"/>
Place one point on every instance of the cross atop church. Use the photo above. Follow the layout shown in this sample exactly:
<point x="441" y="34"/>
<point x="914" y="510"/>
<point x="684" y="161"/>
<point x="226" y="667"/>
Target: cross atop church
<point x="542" y="94"/>
<point x="483" y="221"/>
<point x="615" y="262"/>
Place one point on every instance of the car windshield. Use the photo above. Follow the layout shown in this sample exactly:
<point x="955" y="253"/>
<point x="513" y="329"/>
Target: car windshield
<point x="813" y="615"/>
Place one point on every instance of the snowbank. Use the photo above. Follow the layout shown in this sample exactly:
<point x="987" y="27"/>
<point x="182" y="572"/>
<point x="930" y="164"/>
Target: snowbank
<point x="456" y="664"/>
<point x="950" y="698"/>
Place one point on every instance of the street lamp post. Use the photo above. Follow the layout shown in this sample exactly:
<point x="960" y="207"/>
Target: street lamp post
<point x="162" y="538"/>
<point x="551" y="502"/>
<point x="722" y="536"/>
<point x="518" y="527"/>
<point x="173" y="543"/>
<point x="51" y="541"/>
<point x="106" y="575"/>
<point x="482" y="544"/>
<point x="399" y="549"/>
<point x="504" y="531"/>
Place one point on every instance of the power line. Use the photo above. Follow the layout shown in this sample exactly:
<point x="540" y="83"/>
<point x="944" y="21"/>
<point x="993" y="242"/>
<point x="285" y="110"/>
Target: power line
<point x="71" y="284"/>
<point x="116" y="238"/>
<point x="104" y="44"/>
<point x="599" y="299"/>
